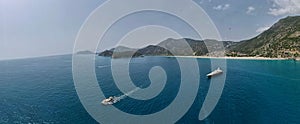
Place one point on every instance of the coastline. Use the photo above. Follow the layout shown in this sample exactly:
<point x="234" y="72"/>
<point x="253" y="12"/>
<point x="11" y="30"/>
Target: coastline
<point x="226" y="57"/>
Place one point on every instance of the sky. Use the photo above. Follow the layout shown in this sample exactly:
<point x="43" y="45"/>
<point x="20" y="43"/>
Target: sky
<point x="32" y="28"/>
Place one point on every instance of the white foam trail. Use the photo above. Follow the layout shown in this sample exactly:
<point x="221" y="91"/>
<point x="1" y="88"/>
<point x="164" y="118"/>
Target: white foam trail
<point x="127" y="94"/>
<point x="103" y="66"/>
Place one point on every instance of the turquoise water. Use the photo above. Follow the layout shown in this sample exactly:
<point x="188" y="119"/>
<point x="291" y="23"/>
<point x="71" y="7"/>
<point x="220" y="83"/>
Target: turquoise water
<point x="41" y="90"/>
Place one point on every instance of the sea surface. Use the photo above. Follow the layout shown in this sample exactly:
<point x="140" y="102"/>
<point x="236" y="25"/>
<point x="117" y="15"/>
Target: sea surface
<point x="41" y="90"/>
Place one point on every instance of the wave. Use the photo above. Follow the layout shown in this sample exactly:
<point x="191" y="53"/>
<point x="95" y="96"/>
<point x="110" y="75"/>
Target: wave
<point x="127" y="94"/>
<point x="103" y="66"/>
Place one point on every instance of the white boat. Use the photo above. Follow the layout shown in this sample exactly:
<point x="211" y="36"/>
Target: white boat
<point x="215" y="72"/>
<point x="109" y="101"/>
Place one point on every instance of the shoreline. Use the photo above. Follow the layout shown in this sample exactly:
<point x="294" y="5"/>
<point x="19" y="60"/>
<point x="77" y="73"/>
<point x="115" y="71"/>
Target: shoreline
<point x="226" y="57"/>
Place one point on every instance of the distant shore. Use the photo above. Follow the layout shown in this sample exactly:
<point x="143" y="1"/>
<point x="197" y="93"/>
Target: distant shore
<point x="227" y="57"/>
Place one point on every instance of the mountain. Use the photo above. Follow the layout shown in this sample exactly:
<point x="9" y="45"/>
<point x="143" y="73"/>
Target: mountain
<point x="169" y="47"/>
<point x="85" y="52"/>
<point x="281" y="40"/>
<point x="190" y="47"/>
<point x="153" y="50"/>
<point x="120" y="52"/>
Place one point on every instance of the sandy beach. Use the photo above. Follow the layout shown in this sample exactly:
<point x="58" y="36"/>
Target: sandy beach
<point x="226" y="57"/>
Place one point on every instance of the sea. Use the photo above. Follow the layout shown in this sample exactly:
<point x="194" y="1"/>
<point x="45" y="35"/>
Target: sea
<point x="42" y="91"/>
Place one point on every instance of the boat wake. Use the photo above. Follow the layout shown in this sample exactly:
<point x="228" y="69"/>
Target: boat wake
<point x="127" y="94"/>
<point x="103" y="66"/>
<point x="114" y="99"/>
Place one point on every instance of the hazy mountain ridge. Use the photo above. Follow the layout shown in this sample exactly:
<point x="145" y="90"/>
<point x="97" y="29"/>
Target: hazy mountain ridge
<point x="170" y="47"/>
<point x="281" y="40"/>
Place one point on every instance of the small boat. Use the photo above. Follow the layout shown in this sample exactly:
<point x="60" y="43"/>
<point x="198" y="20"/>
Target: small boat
<point x="215" y="72"/>
<point x="109" y="101"/>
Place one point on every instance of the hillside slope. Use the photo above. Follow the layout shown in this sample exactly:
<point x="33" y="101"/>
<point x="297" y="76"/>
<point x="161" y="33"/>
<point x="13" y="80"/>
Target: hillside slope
<point x="281" y="40"/>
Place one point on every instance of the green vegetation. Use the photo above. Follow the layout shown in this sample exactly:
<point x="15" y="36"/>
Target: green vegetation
<point x="282" y="40"/>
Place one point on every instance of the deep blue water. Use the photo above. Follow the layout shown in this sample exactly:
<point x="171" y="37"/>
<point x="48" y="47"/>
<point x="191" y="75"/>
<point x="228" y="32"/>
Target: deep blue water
<point x="41" y="90"/>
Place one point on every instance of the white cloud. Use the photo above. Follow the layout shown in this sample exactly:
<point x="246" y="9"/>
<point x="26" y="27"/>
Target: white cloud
<point x="221" y="7"/>
<point x="284" y="7"/>
<point x="250" y="9"/>
<point x="226" y="6"/>
<point x="201" y="1"/>
<point x="262" y="29"/>
<point x="204" y="1"/>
